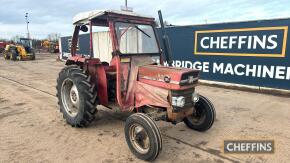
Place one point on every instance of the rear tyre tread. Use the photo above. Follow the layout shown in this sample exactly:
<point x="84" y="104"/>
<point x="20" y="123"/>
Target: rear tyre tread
<point x="87" y="109"/>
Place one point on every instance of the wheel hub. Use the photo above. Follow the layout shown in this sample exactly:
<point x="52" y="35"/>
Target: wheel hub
<point x="198" y="116"/>
<point x="74" y="95"/>
<point x="139" y="139"/>
<point x="70" y="97"/>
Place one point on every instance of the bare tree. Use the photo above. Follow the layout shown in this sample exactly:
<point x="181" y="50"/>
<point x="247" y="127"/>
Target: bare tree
<point x="53" y="37"/>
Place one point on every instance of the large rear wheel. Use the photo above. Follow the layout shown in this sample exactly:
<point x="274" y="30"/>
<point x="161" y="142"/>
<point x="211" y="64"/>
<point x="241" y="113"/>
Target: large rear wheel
<point x="203" y="117"/>
<point x="76" y="96"/>
<point x="143" y="137"/>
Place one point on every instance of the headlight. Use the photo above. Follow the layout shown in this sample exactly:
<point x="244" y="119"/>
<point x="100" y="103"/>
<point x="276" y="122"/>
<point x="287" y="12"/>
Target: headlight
<point x="178" y="101"/>
<point x="195" y="97"/>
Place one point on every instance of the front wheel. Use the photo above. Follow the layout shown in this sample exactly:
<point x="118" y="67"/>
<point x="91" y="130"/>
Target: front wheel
<point x="6" y="55"/>
<point x="203" y="117"/>
<point x="143" y="137"/>
<point x="33" y="55"/>
<point x="13" y="55"/>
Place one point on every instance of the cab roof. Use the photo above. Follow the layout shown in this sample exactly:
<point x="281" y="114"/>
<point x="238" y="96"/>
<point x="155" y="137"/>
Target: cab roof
<point x="85" y="17"/>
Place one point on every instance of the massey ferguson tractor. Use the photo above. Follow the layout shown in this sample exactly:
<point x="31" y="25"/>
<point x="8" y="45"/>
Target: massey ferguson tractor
<point x="134" y="81"/>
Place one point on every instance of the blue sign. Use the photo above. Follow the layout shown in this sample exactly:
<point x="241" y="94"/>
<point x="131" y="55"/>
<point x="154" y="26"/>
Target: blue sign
<point x="251" y="53"/>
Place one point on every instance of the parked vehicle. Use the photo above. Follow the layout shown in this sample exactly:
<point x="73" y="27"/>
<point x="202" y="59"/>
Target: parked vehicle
<point x="134" y="81"/>
<point x="2" y="46"/>
<point x="22" y="50"/>
<point x="50" y="46"/>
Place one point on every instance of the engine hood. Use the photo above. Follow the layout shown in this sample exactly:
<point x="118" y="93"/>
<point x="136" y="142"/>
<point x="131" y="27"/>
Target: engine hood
<point x="168" y="77"/>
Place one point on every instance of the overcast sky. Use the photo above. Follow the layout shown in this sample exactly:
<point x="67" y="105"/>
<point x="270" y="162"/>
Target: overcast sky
<point x="55" y="16"/>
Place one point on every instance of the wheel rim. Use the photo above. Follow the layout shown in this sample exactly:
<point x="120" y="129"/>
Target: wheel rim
<point x="70" y="97"/>
<point x="139" y="138"/>
<point x="198" y="116"/>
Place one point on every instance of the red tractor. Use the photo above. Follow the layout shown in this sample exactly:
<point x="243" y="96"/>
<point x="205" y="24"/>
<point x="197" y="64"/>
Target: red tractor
<point x="134" y="81"/>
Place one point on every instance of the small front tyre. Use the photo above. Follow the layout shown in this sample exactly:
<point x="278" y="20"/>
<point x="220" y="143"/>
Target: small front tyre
<point x="203" y="117"/>
<point x="143" y="137"/>
<point x="33" y="55"/>
<point x="14" y="55"/>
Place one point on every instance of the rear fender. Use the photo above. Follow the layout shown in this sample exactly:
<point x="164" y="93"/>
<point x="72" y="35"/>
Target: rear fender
<point x="97" y="72"/>
<point x="76" y="60"/>
<point x="99" y="78"/>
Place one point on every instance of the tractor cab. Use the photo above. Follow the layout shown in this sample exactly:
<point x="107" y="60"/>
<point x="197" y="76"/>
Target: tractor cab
<point x="130" y="33"/>
<point x="136" y="62"/>
<point x="134" y="80"/>
<point x="134" y="43"/>
<point x="26" y="43"/>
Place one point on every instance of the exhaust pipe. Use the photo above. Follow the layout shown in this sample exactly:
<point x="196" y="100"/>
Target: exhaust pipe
<point x="167" y="53"/>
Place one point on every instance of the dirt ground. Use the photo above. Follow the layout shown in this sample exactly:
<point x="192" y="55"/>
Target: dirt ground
<point x="33" y="130"/>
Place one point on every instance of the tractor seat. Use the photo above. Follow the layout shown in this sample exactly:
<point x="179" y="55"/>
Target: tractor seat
<point x="110" y="70"/>
<point x="111" y="73"/>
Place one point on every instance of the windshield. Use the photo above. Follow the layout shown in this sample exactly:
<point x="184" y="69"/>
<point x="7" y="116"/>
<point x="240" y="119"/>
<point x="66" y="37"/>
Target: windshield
<point x="136" y="38"/>
<point x="25" y="43"/>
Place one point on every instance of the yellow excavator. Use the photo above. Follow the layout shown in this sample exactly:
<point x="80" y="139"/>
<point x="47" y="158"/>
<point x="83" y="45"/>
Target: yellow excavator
<point x="50" y="46"/>
<point x="22" y="50"/>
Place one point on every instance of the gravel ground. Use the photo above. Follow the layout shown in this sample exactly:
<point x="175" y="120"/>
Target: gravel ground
<point x="33" y="130"/>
